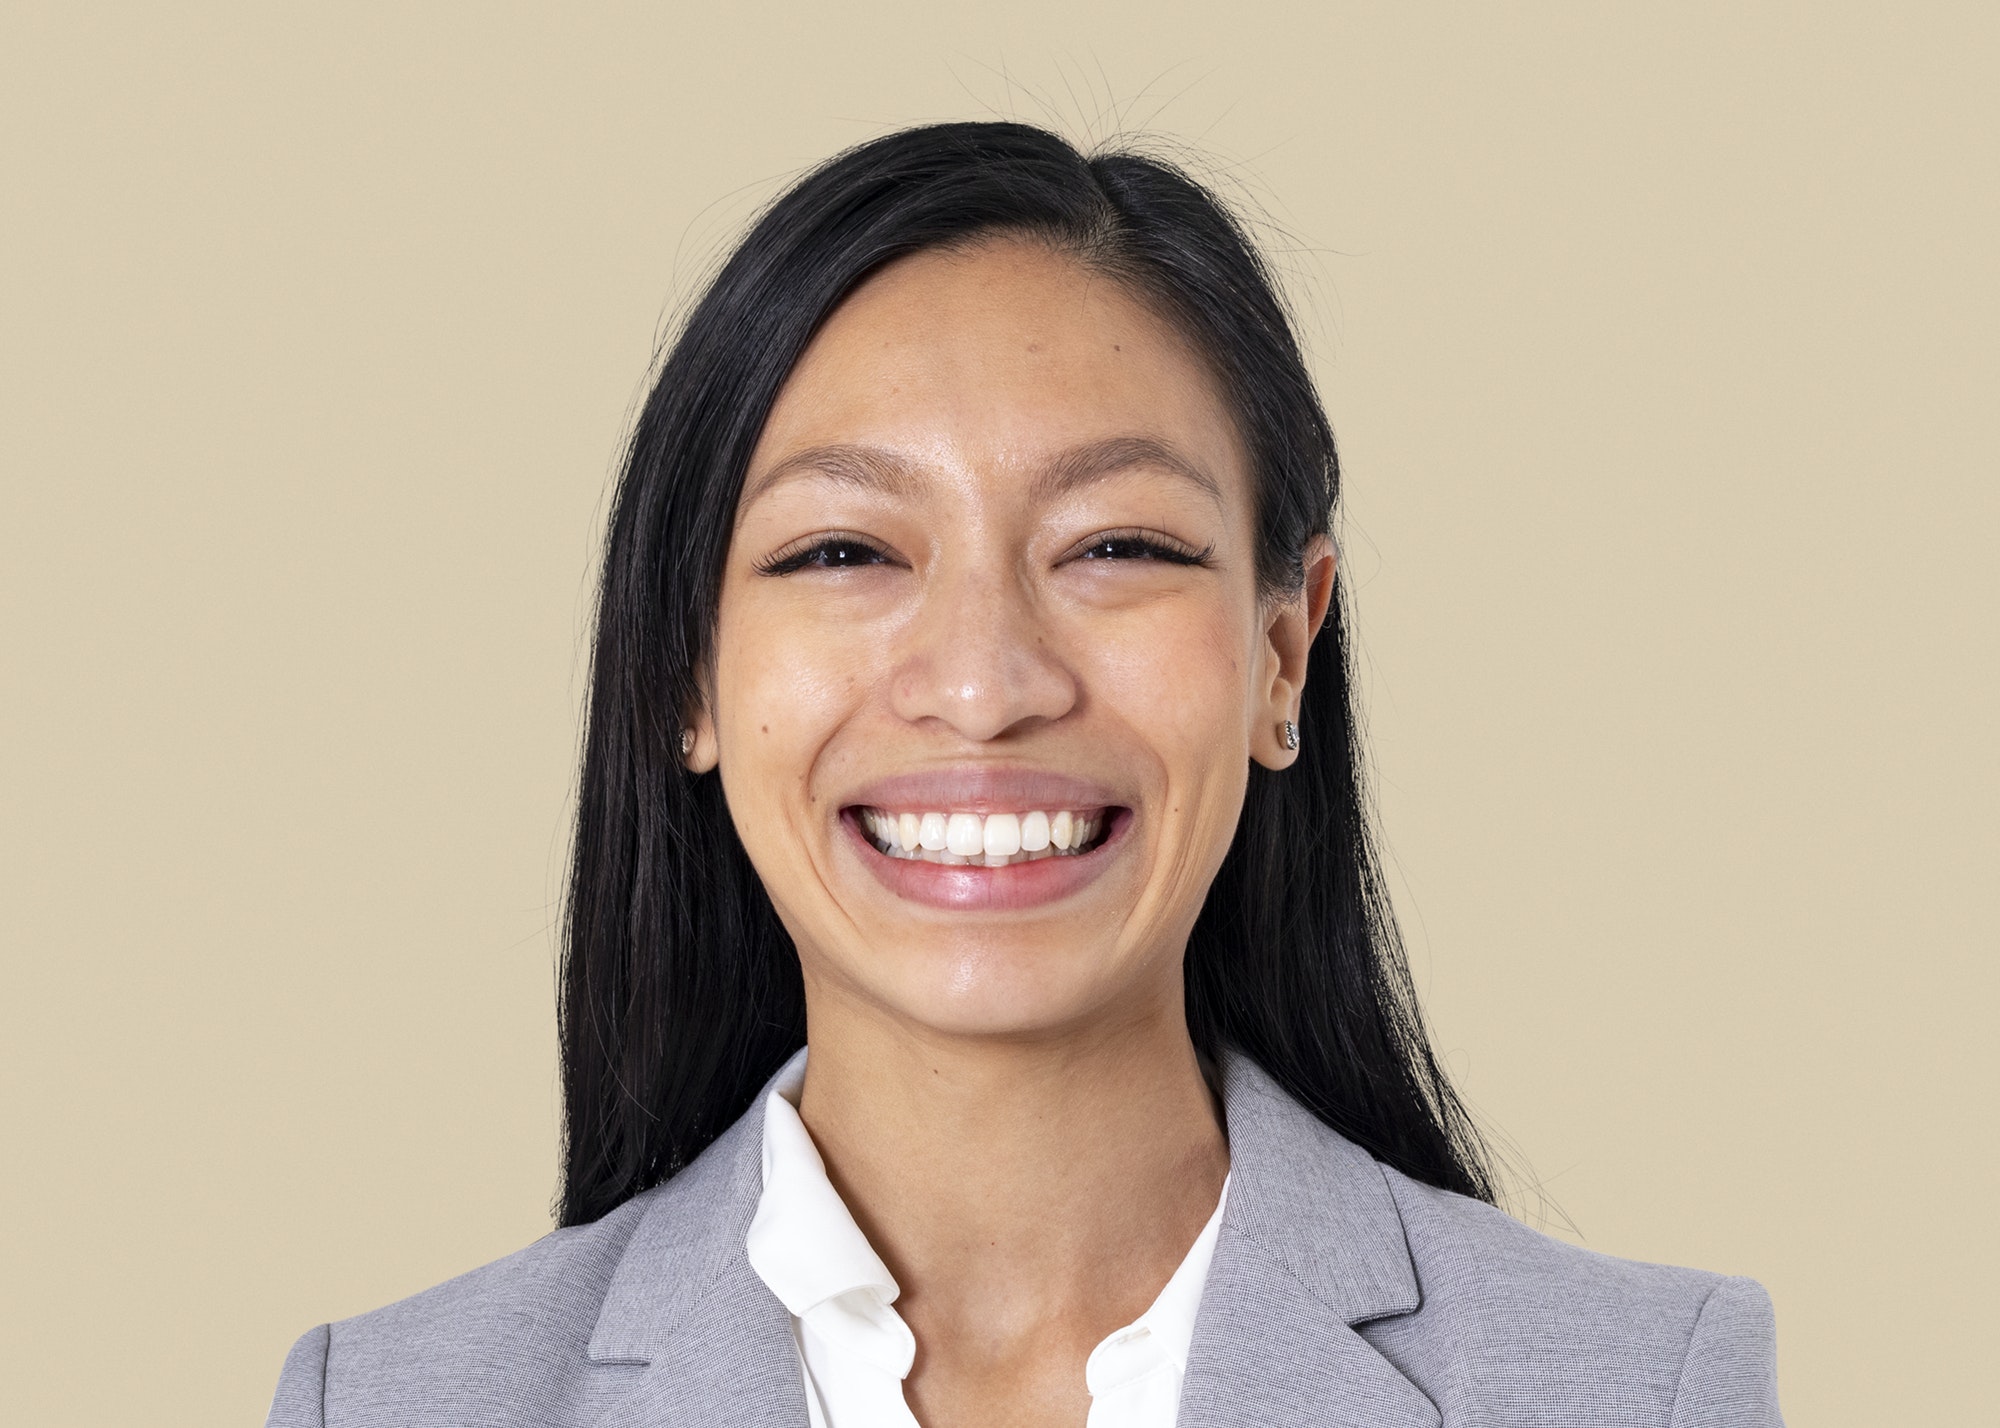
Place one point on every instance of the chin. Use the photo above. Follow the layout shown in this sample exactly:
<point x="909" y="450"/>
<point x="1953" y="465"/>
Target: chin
<point x="1006" y="994"/>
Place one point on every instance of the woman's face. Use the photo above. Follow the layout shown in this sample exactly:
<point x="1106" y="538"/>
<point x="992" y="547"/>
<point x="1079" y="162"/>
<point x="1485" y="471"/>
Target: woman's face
<point x="991" y="661"/>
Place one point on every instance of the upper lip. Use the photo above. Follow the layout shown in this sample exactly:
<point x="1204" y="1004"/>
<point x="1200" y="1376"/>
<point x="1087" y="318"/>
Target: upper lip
<point x="983" y="788"/>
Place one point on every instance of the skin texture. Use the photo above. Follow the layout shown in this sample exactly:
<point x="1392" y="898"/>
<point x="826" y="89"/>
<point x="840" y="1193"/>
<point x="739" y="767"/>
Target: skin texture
<point x="1006" y="1097"/>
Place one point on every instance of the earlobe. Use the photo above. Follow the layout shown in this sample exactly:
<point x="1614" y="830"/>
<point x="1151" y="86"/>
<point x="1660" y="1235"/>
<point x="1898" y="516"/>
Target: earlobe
<point x="695" y="740"/>
<point x="698" y="748"/>
<point x="1275" y="742"/>
<point x="1289" y="637"/>
<point x="702" y="756"/>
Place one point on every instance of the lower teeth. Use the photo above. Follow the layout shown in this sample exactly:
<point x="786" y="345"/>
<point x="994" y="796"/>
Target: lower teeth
<point x="976" y="860"/>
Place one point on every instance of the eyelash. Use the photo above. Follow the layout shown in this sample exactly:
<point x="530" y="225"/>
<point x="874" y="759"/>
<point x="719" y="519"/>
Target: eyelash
<point x="1147" y="545"/>
<point x="840" y="552"/>
<point x="821" y="551"/>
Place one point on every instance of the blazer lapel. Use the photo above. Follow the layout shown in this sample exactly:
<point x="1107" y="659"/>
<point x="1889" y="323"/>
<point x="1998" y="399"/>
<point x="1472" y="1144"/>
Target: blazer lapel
<point x="732" y="1364"/>
<point x="1267" y="1351"/>
<point x="716" y="1342"/>
<point x="1311" y="1245"/>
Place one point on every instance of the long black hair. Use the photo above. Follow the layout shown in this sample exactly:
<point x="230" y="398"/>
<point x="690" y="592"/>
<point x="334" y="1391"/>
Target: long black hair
<point x="680" y="989"/>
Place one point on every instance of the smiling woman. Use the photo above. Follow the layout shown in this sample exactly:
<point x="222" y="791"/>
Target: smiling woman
<point x="979" y="1003"/>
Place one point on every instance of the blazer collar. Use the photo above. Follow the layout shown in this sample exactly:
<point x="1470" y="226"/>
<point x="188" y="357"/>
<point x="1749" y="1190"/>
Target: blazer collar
<point x="1315" y="1201"/>
<point x="1311" y="1244"/>
<point x="685" y="1302"/>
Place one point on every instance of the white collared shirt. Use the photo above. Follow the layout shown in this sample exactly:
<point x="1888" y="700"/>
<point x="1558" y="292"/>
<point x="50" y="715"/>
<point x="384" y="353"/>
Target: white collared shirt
<point x="854" y="1347"/>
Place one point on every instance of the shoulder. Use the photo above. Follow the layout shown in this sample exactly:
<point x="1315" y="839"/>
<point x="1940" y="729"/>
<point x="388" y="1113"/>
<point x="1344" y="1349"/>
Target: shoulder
<point x="551" y="1334"/>
<point x="1474" y="1259"/>
<point x="1565" y="1334"/>
<point x="510" y="1335"/>
<point x="549" y="1291"/>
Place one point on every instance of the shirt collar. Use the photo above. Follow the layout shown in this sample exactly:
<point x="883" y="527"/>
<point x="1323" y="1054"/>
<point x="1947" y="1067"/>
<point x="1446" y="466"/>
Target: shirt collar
<point x="1163" y="1333"/>
<point x="803" y="1242"/>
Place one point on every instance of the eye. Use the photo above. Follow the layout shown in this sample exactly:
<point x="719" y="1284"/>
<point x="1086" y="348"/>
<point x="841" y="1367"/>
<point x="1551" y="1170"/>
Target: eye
<point x="835" y="551"/>
<point x="1141" y="545"/>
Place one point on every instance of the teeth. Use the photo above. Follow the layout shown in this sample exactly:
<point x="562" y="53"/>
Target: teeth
<point x="963" y="835"/>
<point x="1003" y="835"/>
<point x="991" y="840"/>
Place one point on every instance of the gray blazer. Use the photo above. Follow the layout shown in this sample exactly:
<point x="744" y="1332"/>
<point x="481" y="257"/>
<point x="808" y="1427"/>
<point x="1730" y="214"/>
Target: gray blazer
<point x="1341" y="1293"/>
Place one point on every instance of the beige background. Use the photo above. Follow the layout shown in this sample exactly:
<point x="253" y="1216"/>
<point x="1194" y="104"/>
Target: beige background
<point x="1662" y="350"/>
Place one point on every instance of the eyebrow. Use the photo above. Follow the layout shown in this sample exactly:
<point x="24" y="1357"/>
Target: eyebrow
<point x="870" y="467"/>
<point x="877" y="469"/>
<point x="1095" y="460"/>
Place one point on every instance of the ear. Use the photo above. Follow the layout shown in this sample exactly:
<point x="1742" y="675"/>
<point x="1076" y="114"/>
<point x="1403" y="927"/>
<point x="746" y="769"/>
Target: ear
<point x="1290" y="626"/>
<point x="704" y="752"/>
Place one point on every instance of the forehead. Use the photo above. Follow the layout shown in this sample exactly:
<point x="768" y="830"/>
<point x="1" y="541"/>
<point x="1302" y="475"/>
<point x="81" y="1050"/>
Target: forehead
<point x="1005" y="354"/>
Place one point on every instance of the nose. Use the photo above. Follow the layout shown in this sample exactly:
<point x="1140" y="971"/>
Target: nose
<point x="979" y="657"/>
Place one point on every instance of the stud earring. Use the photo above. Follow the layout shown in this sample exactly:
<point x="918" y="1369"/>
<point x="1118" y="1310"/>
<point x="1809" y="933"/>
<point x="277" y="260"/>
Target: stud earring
<point x="1290" y="731"/>
<point x="687" y="742"/>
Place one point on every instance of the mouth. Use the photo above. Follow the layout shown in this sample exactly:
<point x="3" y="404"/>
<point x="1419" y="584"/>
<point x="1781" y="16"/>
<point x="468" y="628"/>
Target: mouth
<point x="991" y="861"/>
<point x="984" y="840"/>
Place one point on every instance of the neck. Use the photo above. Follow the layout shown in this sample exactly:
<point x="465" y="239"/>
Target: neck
<point x="1025" y="1191"/>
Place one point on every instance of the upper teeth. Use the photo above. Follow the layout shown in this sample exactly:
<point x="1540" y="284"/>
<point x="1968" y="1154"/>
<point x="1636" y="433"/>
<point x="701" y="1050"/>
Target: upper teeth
<point x="991" y="839"/>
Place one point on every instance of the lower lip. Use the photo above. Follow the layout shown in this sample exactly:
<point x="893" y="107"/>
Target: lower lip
<point x="962" y="887"/>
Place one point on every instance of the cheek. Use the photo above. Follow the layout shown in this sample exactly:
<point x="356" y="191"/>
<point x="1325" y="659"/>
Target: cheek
<point x="1180" y="680"/>
<point x="783" y="686"/>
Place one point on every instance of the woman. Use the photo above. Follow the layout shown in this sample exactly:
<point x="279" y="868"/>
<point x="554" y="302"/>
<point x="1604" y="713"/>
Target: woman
<point x="950" y="719"/>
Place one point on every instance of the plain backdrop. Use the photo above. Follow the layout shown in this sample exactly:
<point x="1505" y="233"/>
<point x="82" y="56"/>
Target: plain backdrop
<point x="1661" y="345"/>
